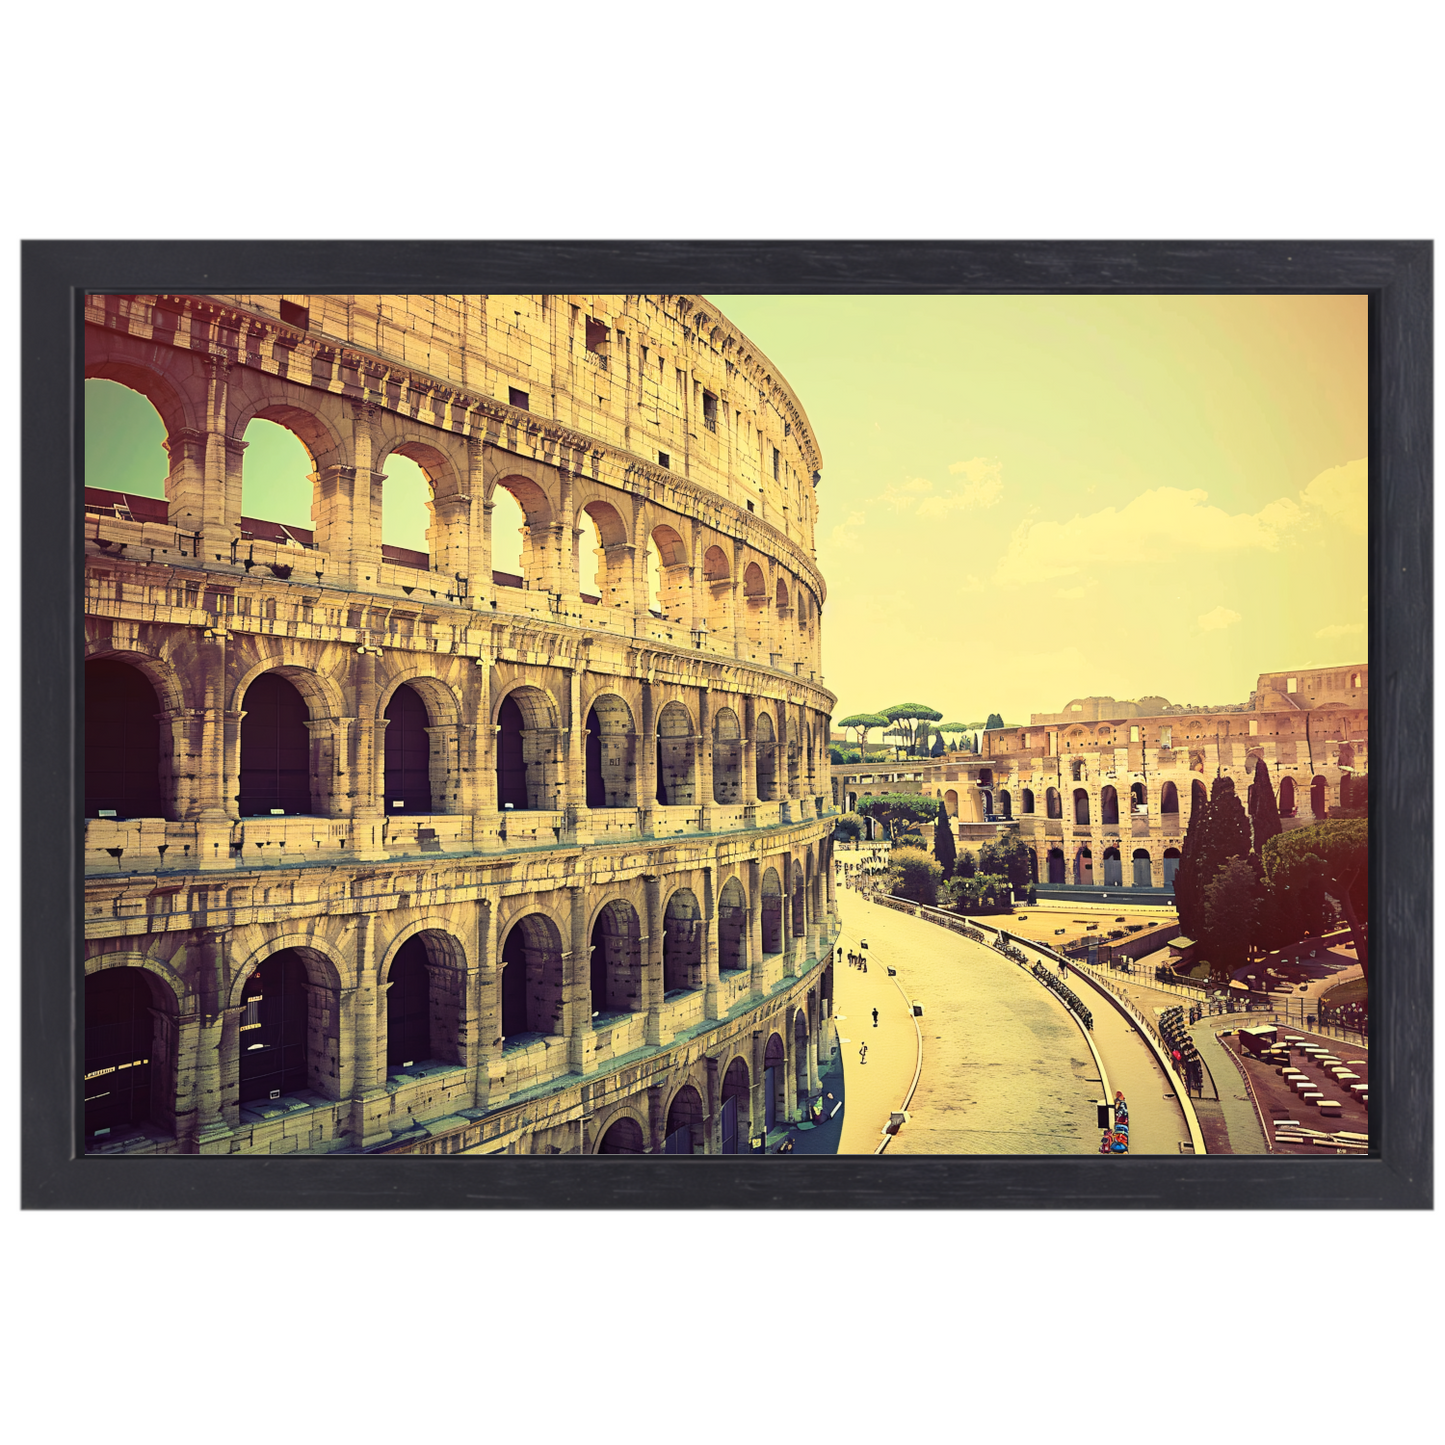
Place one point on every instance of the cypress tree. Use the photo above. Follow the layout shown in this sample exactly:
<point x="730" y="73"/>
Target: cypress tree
<point x="1217" y="832"/>
<point x="1263" y="808"/>
<point x="943" y="847"/>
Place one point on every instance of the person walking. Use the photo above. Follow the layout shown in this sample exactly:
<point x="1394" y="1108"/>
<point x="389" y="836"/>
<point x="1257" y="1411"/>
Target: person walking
<point x="875" y="1018"/>
<point x="863" y="1054"/>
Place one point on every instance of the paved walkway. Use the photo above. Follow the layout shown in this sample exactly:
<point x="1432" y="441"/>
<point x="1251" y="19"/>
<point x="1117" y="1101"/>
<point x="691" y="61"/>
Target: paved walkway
<point x="1005" y="1068"/>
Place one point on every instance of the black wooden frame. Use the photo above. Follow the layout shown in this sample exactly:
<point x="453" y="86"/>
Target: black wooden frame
<point x="1398" y="278"/>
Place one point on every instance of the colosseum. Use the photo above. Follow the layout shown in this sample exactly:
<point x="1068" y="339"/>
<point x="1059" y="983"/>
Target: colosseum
<point x="390" y="851"/>
<point x="1102" y="791"/>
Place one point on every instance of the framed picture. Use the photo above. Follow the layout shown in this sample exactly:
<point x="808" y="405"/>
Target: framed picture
<point x="473" y="715"/>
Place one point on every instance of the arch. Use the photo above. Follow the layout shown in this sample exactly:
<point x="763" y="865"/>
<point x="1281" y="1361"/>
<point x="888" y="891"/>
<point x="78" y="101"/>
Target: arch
<point x="1109" y="805"/>
<point x="1319" y="798"/>
<point x="985" y="802"/>
<point x="765" y="748"/>
<point x="613" y="554"/>
<point x="616" y="961"/>
<point x="408" y="1007"/>
<point x="1113" y="867"/>
<point x="529" y="495"/>
<point x="794" y="756"/>
<point x="1056" y="865"/>
<point x="1288" y="804"/>
<point x="1005" y="803"/>
<point x="129" y="1058"/>
<point x="671" y="549"/>
<point x="1084" y="867"/>
<point x="1081" y="806"/>
<point x="410" y="492"/>
<point x="799" y="901"/>
<point x="950" y="802"/>
<point x="1138" y="798"/>
<point x="625" y="1136"/>
<point x="527" y="769"/>
<point x="532" y="980"/>
<point x="406" y="753"/>
<point x="732" y="927"/>
<point x="1169" y="799"/>
<point x="683" y="1132"/>
<point x="780" y="596"/>
<point x="1053" y="804"/>
<point x="682" y="935"/>
<point x="1198" y="797"/>
<point x="275" y="749"/>
<point x="131" y="369"/>
<point x="124" y="773"/>
<point x="771" y="911"/>
<point x="775" y="1057"/>
<point x="754" y="587"/>
<point x="727" y="757"/>
<point x="320" y="692"/>
<point x="1171" y="866"/>
<point x="1142" y="865"/>
<point x="736" y="1107"/>
<point x="1028" y="800"/>
<point x="1076" y="770"/>
<point x="280" y="1003"/>
<point x="610" y="754"/>
<point x="715" y="566"/>
<point x="676" y="757"/>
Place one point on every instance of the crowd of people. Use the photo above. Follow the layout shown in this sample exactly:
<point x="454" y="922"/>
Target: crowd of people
<point x="1180" y="1045"/>
<point x="1115" y="1140"/>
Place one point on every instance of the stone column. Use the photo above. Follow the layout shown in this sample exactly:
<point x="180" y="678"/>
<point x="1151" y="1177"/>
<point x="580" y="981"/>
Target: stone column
<point x="215" y="812"/>
<point x="361" y="1014"/>
<point x="651" y="945"/>
<point x="566" y="544"/>
<point x="484" y="1002"/>
<point x="748" y="752"/>
<point x="647" y="762"/>
<point x="577" y="987"/>
<point x="367" y="764"/>
<point x="758" y="1123"/>
<point x="704" y="761"/>
<point x="714" y="1105"/>
<point x="217" y="1053"/>
<point x="656" y="1120"/>
<point x="790" y="1074"/>
<point x="752" y="871"/>
<point x="576" y="825"/>
<point x="710" y="1007"/>
<point x="479" y="526"/>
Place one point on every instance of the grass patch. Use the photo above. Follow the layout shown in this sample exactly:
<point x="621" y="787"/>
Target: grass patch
<point x="1354" y="990"/>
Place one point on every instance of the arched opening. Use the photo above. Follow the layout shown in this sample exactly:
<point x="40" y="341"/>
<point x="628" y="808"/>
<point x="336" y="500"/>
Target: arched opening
<point x="509" y="533"/>
<point x="624" y="1137"/>
<point x="275" y="749"/>
<point x="1169" y="799"/>
<point x="1076" y="769"/>
<point x="1318" y="800"/>
<point x="1109" y="806"/>
<point x="605" y="577"/>
<point x="1028" y="800"/>
<point x="772" y="912"/>
<point x="1113" y="867"/>
<point x="1199" y="798"/>
<point x="1142" y="871"/>
<point x="1347" y="756"/>
<point x="1005" y="804"/>
<point x="125" y="440"/>
<point x="1053" y="804"/>
<point x="950" y="802"/>
<point x="616" y="967"/>
<point x="732" y="928"/>
<point x="985" y="802"/>
<point x="1171" y="866"/>
<point x="531" y="980"/>
<point x="669" y="575"/>
<point x="766" y="749"/>
<point x="275" y="1015"/>
<point x="127" y="1052"/>
<point x="800" y="901"/>
<point x="610" y="754"/>
<point x="407" y="752"/>
<point x="1081" y="806"/>
<point x="1138" y="798"/>
<point x="278" y="482"/>
<point x="520" y="499"/>
<point x="755" y="603"/>
<point x="727" y="757"/>
<point x="800" y="1059"/>
<point x="795" y="752"/>
<point x="775" y="1057"/>
<point x="682" y="931"/>
<point x="408" y="1008"/>
<point x="526" y="738"/>
<point x="684" y="1129"/>
<point x="122" y="743"/>
<point x="1056" y="865"/>
<point x="1084" y="867"/>
<point x="676" y="781"/>
<point x="406" y="506"/>
<point x="736" y="1114"/>
<point x="717" y="583"/>
<point x="1288" y="803"/>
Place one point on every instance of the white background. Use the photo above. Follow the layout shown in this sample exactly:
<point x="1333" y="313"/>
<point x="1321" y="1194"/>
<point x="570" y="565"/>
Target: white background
<point x="1231" y="120"/>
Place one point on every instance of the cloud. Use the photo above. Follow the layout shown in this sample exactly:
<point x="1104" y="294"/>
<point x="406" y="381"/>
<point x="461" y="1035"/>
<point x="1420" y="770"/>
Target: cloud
<point x="902" y="495"/>
<point x="1219" y="618"/>
<point x="845" y="534"/>
<point x="1160" y="525"/>
<point x="981" y="486"/>
<point x="1341" y="629"/>
<point x="1342" y="493"/>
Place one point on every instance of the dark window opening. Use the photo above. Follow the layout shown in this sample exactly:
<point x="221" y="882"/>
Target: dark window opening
<point x="408" y="1008"/>
<point x="663" y="460"/>
<point x="511" y="765"/>
<point x="709" y="411"/>
<point x="294" y="315"/>
<point x="122" y="743"/>
<point x="273" y="1029"/>
<point x="597" y="335"/>
<point x="275" y="749"/>
<point x="518" y="399"/>
<point x="624" y="1137"/>
<point x="119" y="1034"/>
<point x="776" y="459"/>
<point x="596" y="783"/>
<point x="514" y="985"/>
<point x="407" y="769"/>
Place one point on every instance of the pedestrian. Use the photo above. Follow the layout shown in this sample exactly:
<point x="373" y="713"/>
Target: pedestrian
<point x="863" y="1054"/>
<point x="875" y="1018"/>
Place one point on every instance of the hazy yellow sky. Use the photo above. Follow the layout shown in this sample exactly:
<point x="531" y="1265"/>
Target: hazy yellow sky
<point x="1030" y="499"/>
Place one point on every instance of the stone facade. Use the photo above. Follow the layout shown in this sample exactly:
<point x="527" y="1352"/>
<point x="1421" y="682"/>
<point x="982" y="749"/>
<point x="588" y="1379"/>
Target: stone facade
<point x="624" y="804"/>
<point x="1107" y="801"/>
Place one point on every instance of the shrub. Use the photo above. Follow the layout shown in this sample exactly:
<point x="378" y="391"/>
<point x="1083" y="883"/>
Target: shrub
<point x="982" y="893"/>
<point x="915" y="876"/>
<point x="849" y="827"/>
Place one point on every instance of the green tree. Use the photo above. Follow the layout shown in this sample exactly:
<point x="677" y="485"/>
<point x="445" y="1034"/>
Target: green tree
<point x="966" y="865"/>
<point x="849" y="827"/>
<point x="979" y="893"/>
<point x="1217" y="832"/>
<point x="994" y="721"/>
<point x="893" y="808"/>
<point x="938" y="749"/>
<point x="906" y="716"/>
<point x="862" y="723"/>
<point x="1342" y="846"/>
<point x="1263" y="808"/>
<point x="915" y="875"/>
<point x="1017" y="857"/>
<point x="1232" y="903"/>
<point x="943" y="846"/>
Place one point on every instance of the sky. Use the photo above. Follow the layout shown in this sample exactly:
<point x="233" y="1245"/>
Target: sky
<point x="1024" y="499"/>
<point x="1030" y="499"/>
